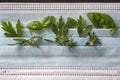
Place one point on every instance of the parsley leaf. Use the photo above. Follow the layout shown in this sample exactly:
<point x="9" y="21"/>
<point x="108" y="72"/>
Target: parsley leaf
<point x="10" y="31"/>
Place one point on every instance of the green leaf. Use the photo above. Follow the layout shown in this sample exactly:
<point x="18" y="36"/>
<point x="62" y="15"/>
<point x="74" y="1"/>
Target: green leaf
<point x="101" y="20"/>
<point x="62" y="28"/>
<point x="34" y="26"/>
<point x="61" y="23"/>
<point x="71" y="23"/>
<point x="9" y="35"/>
<point x="95" y="19"/>
<point x="49" y="40"/>
<point x="81" y="26"/>
<point x="48" y="21"/>
<point x="81" y="22"/>
<point x="19" y="28"/>
<point x="19" y="39"/>
<point x="112" y="30"/>
<point x="87" y="30"/>
<point x="9" y="30"/>
<point x="55" y="29"/>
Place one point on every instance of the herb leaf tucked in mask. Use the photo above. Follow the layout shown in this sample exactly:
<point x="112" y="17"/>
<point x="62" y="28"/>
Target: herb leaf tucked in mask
<point x="101" y="20"/>
<point x="82" y="29"/>
<point x="48" y="21"/>
<point x="60" y="29"/>
<point x="36" y="26"/>
<point x="10" y="31"/>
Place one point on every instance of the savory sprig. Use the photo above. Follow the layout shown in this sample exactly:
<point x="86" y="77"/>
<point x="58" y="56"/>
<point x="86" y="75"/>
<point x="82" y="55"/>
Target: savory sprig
<point x="10" y="31"/>
<point x="32" y="41"/>
<point x="93" y="40"/>
<point x="101" y="20"/>
<point x="36" y="26"/>
<point x="60" y="29"/>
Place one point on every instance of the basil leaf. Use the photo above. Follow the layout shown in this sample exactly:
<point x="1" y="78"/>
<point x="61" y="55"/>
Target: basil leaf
<point x="101" y="20"/>
<point x="47" y="21"/>
<point x="71" y="23"/>
<point x="34" y="26"/>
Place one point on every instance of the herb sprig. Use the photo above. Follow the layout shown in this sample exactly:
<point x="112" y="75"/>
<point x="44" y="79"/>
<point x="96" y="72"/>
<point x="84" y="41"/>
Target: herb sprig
<point x="83" y="30"/>
<point x="60" y="29"/>
<point x="32" y="41"/>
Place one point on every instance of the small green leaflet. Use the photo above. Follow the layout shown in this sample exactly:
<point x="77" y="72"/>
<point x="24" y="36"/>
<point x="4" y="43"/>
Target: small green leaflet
<point x="81" y="28"/>
<point x="19" y="28"/>
<point x="101" y="20"/>
<point x="36" y="26"/>
<point x="10" y="31"/>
